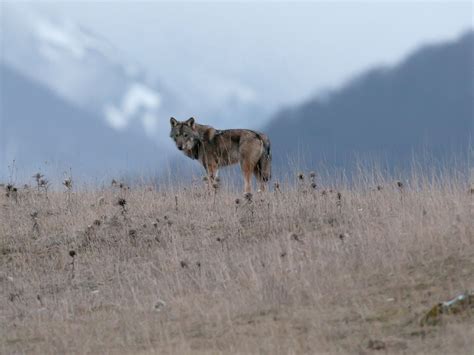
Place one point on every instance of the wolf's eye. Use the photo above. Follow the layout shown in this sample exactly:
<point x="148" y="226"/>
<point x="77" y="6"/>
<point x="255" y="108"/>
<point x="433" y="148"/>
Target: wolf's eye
<point x="185" y="135"/>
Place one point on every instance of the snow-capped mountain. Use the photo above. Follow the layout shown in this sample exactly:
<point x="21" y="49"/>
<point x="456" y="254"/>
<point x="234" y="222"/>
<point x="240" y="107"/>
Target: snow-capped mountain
<point x="96" y="75"/>
<point x="85" y="69"/>
<point x="80" y="74"/>
<point x="40" y="131"/>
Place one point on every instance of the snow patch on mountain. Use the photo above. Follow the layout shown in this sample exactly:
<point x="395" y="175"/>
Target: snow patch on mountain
<point x="85" y="69"/>
<point x="62" y="39"/>
<point x="94" y="75"/>
<point x="138" y="97"/>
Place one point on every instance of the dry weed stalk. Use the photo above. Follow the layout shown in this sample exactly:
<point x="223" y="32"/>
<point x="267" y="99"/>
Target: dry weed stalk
<point x="11" y="192"/>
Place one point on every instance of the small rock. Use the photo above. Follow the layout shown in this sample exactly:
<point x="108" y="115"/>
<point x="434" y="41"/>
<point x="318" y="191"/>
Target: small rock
<point x="159" y="305"/>
<point x="375" y="344"/>
<point x="343" y="236"/>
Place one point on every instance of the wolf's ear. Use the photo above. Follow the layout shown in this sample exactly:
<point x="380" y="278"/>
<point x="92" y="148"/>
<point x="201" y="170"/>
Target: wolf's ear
<point x="190" y="122"/>
<point x="173" y="121"/>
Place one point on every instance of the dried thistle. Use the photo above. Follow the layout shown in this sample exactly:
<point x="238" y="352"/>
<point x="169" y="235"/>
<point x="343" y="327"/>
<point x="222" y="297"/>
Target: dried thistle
<point x="72" y="254"/>
<point x="122" y="203"/>
<point x="248" y="196"/>
<point x="43" y="183"/>
<point x="38" y="177"/>
<point x="11" y="191"/>
<point x="68" y="183"/>
<point x="276" y="186"/>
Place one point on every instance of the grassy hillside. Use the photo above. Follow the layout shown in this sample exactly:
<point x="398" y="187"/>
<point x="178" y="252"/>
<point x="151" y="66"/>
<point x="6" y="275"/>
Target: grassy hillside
<point x="174" y="269"/>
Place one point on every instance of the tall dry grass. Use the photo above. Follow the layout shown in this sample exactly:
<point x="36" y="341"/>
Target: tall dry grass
<point x="307" y="268"/>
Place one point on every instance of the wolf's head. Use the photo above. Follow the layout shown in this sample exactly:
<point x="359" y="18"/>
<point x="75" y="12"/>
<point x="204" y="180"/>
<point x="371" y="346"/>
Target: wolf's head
<point x="184" y="134"/>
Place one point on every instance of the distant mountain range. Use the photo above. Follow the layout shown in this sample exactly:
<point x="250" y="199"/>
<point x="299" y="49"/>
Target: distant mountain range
<point x="42" y="132"/>
<point x="85" y="70"/>
<point x="422" y="107"/>
<point x="70" y="96"/>
<point x="70" y="99"/>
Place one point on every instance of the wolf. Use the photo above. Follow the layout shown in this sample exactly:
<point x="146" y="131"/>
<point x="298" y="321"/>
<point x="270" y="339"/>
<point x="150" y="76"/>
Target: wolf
<point x="215" y="148"/>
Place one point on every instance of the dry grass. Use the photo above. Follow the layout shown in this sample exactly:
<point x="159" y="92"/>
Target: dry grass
<point x="174" y="270"/>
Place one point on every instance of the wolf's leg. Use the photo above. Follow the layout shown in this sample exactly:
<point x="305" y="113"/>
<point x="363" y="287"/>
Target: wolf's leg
<point x="257" y="172"/>
<point x="212" y="170"/>
<point x="262" y="185"/>
<point x="260" y="175"/>
<point x="247" y="169"/>
<point x="263" y="168"/>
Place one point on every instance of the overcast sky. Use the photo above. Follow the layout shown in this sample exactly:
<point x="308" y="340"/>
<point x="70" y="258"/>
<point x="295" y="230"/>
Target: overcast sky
<point x="284" y="51"/>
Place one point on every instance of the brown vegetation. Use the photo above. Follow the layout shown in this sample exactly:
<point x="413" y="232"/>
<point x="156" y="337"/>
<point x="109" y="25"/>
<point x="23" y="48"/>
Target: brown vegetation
<point x="302" y="269"/>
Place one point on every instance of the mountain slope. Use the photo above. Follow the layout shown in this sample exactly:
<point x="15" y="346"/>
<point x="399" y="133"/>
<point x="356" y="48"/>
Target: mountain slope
<point x="86" y="70"/>
<point x="89" y="71"/>
<point x="37" y="126"/>
<point x="424" y="104"/>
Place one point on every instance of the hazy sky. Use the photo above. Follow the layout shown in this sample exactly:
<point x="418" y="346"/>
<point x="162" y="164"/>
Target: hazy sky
<point x="284" y="51"/>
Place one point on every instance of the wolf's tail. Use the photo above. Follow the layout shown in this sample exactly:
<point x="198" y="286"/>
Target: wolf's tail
<point x="264" y="165"/>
